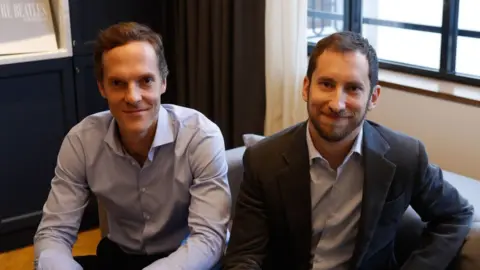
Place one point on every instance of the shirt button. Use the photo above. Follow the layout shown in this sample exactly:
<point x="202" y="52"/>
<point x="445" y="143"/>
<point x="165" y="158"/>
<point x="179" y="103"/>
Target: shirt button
<point x="143" y="190"/>
<point x="146" y="216"/>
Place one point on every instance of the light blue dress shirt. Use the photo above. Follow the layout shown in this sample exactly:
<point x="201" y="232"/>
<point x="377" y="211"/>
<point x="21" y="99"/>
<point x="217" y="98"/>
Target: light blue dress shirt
<point x="181" y="192"/>
<point x="336" y="206"/>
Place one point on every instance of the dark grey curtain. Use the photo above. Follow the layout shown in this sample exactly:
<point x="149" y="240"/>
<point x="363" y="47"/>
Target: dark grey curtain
<point x="216" y="54"/>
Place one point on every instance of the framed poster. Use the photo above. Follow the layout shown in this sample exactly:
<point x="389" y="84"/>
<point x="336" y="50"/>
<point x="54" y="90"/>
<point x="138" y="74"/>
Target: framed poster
<point x="26" y="26"/>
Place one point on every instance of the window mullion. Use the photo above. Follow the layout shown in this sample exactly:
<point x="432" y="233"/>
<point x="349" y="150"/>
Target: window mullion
<point x="347" y="15"/>
<point x="353" y="15"/>
<point x="449" y="36"/>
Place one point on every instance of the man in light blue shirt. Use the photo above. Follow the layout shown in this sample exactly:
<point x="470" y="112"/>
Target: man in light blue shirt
<point x="159" y="171"/>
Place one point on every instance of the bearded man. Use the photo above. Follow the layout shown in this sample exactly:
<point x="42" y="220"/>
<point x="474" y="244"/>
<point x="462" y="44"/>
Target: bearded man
<point x="329" y="193"/>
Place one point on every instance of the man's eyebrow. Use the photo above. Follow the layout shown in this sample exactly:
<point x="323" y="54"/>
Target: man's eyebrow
<point x="355" y="82"/>
<point x="111" y="78"/>
<point x="325" y="78"/>
<point x="148" y="74"/>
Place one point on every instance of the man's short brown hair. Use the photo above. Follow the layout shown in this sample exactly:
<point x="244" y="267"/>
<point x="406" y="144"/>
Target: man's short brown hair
<point x="123" y="33"/>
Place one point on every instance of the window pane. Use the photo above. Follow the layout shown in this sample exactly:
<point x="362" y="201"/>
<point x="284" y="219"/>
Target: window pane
<point x="405" y="46"/>
<point x="468" y="56"/>
<point x="468" y="18"/>
<point x="319" y="25"/>
<point x="330" y="6"/>
<point x="408" y="11"/>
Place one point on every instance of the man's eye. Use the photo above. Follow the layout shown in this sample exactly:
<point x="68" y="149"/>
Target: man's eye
<point x="116" y="83"/>
<point x="354" y="88"/>
<point x="327" y="84"/>
<point x="147" y="80"/>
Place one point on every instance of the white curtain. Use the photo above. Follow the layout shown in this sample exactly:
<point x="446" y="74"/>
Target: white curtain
<point x="286" y="63"/>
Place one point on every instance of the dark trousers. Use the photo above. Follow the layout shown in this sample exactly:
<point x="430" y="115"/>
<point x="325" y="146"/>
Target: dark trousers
<point x="111" y="256"/>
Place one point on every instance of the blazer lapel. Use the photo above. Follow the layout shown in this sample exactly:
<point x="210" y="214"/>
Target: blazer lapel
<point x="379" y="174"/>
<point x="294" y="184"/>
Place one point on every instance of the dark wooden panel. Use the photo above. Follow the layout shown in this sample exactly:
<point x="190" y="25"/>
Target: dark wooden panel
<point x="37" y="109"/>
<point x="17" y="239"/>
<point x="88" y="17"/>
<point x="19" y="231"/>
<point x="89" y="100"/>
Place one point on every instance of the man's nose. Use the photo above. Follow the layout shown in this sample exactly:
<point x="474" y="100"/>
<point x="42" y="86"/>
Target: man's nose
<point x="337" y="100"/>
<point x="132" y="94"/>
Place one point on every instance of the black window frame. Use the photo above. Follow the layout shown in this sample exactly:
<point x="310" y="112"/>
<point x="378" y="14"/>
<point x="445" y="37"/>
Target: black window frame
<point x="352" y="21"/>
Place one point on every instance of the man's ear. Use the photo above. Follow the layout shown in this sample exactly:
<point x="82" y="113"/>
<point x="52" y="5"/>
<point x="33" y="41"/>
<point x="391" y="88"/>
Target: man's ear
<point x="372" y="103"/>
<point x="306" y="86"/>
<point x="101" y="89"/>
<point x="163" y="88"/>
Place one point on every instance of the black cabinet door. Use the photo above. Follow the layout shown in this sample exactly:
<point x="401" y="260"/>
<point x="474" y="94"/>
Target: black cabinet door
<point x="88" y="17"/>
<point x="37" y="109"/>
<point x="89" y="100"/>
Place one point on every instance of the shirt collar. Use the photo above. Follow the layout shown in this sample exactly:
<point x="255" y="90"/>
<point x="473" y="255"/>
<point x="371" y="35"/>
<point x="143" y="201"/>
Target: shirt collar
<point x="313" y="152"/>
<point x="164" y="133"/>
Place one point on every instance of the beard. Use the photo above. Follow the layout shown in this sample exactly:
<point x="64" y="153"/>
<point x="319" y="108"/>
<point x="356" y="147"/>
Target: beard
<point x="336" y="134"/>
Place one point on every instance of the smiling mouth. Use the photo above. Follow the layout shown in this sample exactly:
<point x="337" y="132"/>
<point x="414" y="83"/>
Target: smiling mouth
<point x="336" y="116"/>
<point x="135" y="111"/>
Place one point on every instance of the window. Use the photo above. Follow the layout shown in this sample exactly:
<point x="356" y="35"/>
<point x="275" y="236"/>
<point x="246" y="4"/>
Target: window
<point x="324" y="18"/>
<point x="468" y="42"/>
<point x="400" y="33"/>
<point x="435" y="38"/>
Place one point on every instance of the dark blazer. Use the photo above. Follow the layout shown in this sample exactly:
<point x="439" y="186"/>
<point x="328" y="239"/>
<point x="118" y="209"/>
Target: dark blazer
<point x="272" y="227"/>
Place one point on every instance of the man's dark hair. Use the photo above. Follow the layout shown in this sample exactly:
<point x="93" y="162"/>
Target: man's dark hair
<point x="346" y="42"/>
<point x="122" y="33"/>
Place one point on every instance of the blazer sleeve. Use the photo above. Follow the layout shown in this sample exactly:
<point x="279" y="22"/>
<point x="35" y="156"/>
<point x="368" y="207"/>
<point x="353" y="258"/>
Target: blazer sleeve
<point x="249" y="237"/>
<point x="446" y="212"/>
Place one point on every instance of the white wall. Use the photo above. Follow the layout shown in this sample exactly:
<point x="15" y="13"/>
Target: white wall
<point x="450" y="131"/>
